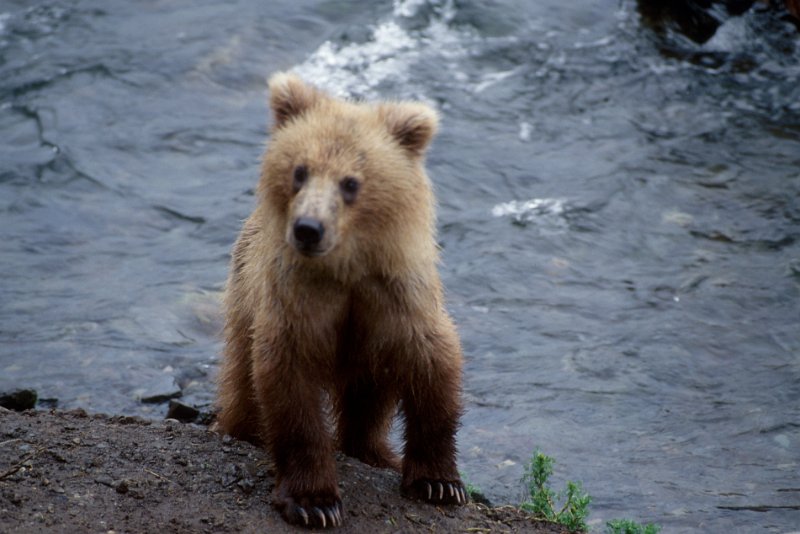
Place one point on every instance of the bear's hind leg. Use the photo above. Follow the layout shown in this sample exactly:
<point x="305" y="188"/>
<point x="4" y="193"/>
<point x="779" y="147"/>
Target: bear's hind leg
<point x="238" y="413"/>
<point x="365" y="411"/>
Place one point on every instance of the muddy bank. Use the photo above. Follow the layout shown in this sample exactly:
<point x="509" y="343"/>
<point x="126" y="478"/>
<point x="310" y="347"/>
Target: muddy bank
<point x="69" y="471"/>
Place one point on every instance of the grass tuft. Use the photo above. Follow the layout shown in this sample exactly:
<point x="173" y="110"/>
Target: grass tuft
<point x="569" y="507"/>
<point x="543" y="502"/>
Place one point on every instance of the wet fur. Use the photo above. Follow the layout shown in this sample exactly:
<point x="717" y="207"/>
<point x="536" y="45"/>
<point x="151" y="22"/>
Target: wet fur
<point x="363" y="325"/>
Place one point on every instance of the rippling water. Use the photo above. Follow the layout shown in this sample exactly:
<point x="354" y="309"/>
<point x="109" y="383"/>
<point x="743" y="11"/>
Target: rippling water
<point x="619" y="216"/>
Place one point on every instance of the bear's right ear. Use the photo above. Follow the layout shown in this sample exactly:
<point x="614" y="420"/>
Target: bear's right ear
<point x="290" y="97"/>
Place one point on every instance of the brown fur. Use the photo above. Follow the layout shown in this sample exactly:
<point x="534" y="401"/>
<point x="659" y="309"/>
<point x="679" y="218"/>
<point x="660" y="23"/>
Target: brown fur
<point x="359" y="320"/>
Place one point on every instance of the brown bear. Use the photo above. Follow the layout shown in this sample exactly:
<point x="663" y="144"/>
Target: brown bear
<point x="334" y="307"/>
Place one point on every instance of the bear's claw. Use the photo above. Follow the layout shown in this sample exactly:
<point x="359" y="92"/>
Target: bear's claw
<point x="303" y="514"/>
<point x="314" y="516"/>
<point x="321" y="516"/>
<point x="438" y="492"/>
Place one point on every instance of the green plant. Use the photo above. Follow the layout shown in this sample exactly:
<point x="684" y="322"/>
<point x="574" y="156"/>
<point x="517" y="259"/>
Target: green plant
<point x="626" y="526"/>
<point x="543" y="501"/>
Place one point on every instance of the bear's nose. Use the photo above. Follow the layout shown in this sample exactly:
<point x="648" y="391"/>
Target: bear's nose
<point x="308" y="231"/>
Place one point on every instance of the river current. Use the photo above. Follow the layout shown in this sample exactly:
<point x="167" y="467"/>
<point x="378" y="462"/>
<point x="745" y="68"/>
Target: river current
<point x="619" y="216"/>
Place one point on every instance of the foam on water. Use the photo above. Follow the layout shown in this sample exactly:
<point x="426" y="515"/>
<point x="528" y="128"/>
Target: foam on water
<point x="491" y="78"/>
<point x="357" y="69"/>
<point x="548" y="212"/>
<point x="525" y="130"/>
<point x="395" y="47"/>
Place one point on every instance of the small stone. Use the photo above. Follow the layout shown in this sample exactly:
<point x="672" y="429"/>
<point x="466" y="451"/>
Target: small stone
<point x="122" y="487"/>
<point x="246" y="485"/>
<point x="105" y="481"/>
<point x="13" y="497"/>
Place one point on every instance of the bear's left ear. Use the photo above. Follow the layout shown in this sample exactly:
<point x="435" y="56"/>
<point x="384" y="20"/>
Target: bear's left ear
<point x="412" y="124"/>
<point x="290" y="97"/>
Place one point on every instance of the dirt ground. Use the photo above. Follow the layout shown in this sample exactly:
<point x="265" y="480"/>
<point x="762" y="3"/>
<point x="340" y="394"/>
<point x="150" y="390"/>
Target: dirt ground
<point x="73" y="472"/>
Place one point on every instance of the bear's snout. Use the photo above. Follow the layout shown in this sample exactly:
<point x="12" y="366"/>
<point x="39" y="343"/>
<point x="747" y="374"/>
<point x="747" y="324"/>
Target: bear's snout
<point x="308" y="233"/>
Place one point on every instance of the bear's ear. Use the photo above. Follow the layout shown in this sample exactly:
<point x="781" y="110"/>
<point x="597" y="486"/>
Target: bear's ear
<point x="290" y="97"/>
<point x="411" y="123"/>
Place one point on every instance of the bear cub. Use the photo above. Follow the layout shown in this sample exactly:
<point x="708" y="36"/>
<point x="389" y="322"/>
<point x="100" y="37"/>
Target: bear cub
<point x="334" y="309"/>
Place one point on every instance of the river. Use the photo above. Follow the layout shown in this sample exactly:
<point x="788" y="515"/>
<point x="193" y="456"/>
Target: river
<point x="619" y="216"/>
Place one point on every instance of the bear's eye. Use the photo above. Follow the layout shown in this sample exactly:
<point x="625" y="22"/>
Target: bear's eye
<point x="349" y="187"/>
<point x="300" y="177"/>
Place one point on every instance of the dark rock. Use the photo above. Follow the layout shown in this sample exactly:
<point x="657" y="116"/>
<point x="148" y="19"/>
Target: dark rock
<point x="122" y="487"/>
<point x="18" y="400"/>
<point x="182" y="412"/>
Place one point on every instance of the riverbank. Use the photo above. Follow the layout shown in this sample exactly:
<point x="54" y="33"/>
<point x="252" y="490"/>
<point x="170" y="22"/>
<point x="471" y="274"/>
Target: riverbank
<point x="70" y="471"/>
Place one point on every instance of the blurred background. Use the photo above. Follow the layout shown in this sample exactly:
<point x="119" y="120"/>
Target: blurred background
<point x="619" y="189"/>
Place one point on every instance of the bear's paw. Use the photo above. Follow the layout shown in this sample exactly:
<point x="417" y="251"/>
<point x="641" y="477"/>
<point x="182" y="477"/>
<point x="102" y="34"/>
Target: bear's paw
<point x="437" y="491"/>
<point x="312" y="511"/>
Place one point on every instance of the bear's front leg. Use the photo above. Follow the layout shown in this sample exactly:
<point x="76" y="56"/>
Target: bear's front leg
<point x="295" y="433"/>
<point x="432" y="408"/>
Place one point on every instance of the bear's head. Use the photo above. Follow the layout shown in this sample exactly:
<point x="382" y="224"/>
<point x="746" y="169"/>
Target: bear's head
<point x="343" y="181"/>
